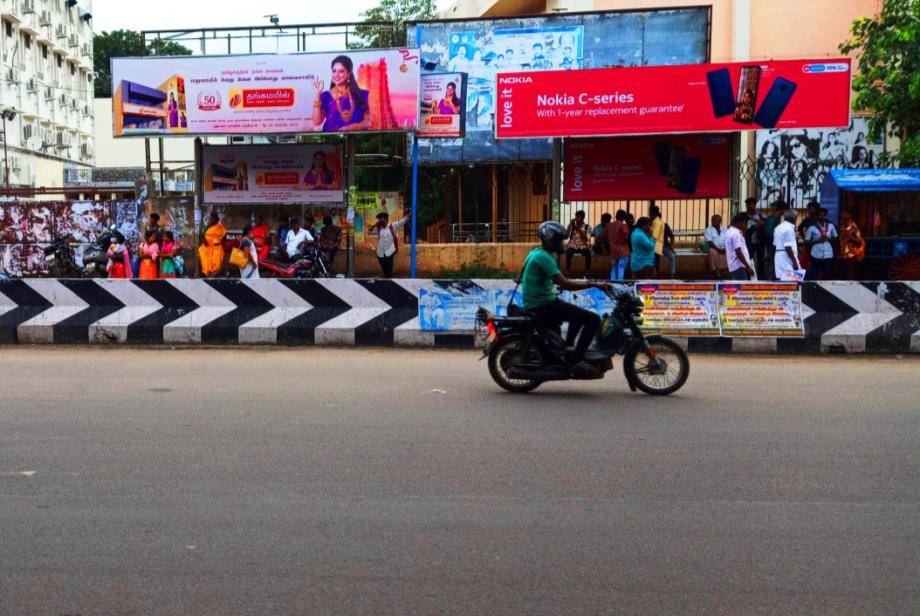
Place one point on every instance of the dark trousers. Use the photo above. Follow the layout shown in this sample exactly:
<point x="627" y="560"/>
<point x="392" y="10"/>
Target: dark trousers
<point x="740" y="274"/>
<point x="819" y="269"/>
<point x="571" y="252"/>
<point x="770" y="263"/>
<point x="757" y="253"/>
<point x="386" y="264"/>
<point x="582" y="323"/>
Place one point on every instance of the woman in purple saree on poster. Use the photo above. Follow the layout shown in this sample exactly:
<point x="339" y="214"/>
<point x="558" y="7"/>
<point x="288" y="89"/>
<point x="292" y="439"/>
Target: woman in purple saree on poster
<point x="173" y="108"/>
<point x="344" y="106"/>
<point x="450" y="104"/>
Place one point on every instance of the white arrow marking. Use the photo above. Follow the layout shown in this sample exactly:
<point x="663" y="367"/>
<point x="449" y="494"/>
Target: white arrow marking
<point x="17" y="473"/>
<point x="872" y="313"/>
<point x="6" y="304"/>
<point x="66" y="303"/>
<point x="365" y="306"/>
<point x="212" y="305"/>
<point x="915" y="337"/>
<point x="287" y="305"/>
<point x="410" y="332"/>
<point x="137" y="306"/>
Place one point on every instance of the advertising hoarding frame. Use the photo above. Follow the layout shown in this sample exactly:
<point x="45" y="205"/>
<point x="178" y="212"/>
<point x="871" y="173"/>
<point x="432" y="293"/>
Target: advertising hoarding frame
<point x="728" y="129"/>
<point x="413" y="54"/>
<point x="419" y="133"/>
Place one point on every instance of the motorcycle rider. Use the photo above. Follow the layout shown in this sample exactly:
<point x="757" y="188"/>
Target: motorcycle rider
<point x="539" y="279"/>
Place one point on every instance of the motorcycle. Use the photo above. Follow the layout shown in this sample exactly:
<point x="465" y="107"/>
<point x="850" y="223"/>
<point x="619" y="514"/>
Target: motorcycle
<point x="306" y="264"/>
<point x="62" y="263"/>
<point x="522" y="354"/>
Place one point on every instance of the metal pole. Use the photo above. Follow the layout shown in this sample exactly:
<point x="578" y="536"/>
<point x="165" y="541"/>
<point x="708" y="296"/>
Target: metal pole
<point x="414" y="204"/>
<point x="349" y="202"/>
<point x="199" y="198"/>
<point x="6" y="160"/>
<point x="494" y="204"/>
<point x="162" y="168"/>
<point x="556" y="182"/>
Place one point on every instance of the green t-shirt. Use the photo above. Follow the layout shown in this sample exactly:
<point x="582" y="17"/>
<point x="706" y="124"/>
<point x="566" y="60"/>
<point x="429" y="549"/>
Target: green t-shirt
<point x="537" y="286"/>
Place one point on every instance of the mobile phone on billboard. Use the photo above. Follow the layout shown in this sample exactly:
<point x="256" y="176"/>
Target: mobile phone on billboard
<point x="774" y="103"/>
<point x="747" y="94"/>
<point x="675" y="166"/>
<point x="662" y="156"/>
<point x="720" y="92"/>
<point x="689" y="175"/>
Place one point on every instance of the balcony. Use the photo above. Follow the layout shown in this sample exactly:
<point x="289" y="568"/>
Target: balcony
<point x="11" y="9"/>
<point x="29" y="24"/>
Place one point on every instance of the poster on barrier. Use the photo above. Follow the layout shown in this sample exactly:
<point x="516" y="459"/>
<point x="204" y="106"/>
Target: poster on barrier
<point x="680" y="309"/>
<point x="452" y="305"/>
<point x="761" y="309"/>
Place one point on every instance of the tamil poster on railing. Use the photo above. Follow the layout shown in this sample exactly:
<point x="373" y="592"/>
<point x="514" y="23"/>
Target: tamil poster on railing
<point x="442" y="105"/>
<point x="680" y="309"/>
<point x="668" y="167"/>
<point x="761" y="309"/>
<point x="290" y="173"/>
<point x="674" y="99"/>
<point x="359" y="91"/>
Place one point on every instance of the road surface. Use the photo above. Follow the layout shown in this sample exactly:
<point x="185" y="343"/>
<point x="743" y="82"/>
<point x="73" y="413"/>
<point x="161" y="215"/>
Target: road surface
<point x="265" y="481"/>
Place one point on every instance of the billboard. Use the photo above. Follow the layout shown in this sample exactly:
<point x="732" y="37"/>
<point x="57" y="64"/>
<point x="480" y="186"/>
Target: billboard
<point x="290" y="173"/>
<point x="647" y="167"/>
<point x="266" y="93"/>
<point x="674" y="99"/>
<point x="442" y="105"/>
<point x="482" y="48"/>
<point x="792" y="164"/>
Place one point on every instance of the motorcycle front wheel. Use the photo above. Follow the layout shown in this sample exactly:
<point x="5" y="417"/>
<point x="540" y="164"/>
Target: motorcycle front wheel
<point x="506" y="353"/>
<point x="660" y="375"/>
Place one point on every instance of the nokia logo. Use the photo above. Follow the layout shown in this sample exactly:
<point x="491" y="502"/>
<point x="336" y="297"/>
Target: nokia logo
<point x="517" y="79"/>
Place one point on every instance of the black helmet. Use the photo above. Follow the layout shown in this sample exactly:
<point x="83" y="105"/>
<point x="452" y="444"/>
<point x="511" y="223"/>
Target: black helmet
<point x="552" y="234"/>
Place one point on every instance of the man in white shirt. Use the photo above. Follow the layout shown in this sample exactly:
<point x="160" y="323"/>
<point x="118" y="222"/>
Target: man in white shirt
<point x="786" y="260"/>
<point x="818" y="238"/>
<point x="297" y="238"/>
<point x="736" y="251"/>
<point x="387" y="241"/>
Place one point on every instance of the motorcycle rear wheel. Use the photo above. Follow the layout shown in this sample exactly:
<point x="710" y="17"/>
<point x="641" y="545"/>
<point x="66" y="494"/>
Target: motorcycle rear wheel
<point x="642" y="371"/>
<point x="502" y="356"/>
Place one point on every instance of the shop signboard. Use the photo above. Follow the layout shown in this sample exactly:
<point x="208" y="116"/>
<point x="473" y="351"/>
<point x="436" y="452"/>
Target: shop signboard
<point x="674" y="99"/>
<point x="647" y="167"/>
<point x="482" y="48"/>
<point x="761" y="309"/>
<point x="681" y="309"/>
<point x="289" y="173"/>
<point x="357" y="91"/>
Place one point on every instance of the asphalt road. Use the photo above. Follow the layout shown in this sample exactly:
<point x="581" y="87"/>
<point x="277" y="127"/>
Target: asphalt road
<point x="401" y="482"/>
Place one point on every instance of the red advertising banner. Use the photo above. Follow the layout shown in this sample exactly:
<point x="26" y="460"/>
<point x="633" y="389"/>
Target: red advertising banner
<point x="665" y="167"/>
<point x="674" y="99"/>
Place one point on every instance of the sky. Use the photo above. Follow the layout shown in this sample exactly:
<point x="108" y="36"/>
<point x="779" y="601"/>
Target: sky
<point x="172" y="14"/>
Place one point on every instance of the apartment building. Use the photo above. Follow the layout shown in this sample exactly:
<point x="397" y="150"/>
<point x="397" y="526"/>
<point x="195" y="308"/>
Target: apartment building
<point x="46" y="73"/>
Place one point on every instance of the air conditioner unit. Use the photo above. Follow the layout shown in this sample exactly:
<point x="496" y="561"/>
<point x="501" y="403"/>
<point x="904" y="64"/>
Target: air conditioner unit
<point x="12" y="75"/>
<point x="73" y="41"/>
<point x="45" y="18"/>
<point x="49" y="94"/>
<point x="73" y="104"/>
<point x="87" y="49"/>
<point x="32" y="85"/>
<point x="28" y="6"/>
<point x="61" y="31"/>
<point x="63" y="99"/>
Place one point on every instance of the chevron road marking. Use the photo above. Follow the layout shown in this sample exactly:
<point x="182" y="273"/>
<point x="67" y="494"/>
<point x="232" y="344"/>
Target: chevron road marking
<point x="114" y="328"/>
<point x="212" y="305"/>
<point x="6" y="304"/>
<point x="410" y="332"/>
<point x="872" y="313"/>
<point x="341" y="329"/>
<point x="65" y="304"/>
<point x="287" y="306"/>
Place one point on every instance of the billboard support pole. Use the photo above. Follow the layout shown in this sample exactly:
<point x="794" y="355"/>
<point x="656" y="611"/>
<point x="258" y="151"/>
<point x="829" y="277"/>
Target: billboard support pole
<point x="556" y="183"/>
<point x="412" y="252"/>
<point x="349" y="197"/>
<point x="162" y="168"/>
<point x="198" y="202"/>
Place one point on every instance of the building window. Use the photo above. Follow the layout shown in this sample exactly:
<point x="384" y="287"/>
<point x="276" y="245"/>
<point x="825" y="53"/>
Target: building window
<point x="27" y="40"/>
<point x="44" y="51"/>
<point x="60" y="60"/>
<point x="9" y="28"/>
<point x="73" y="71"/>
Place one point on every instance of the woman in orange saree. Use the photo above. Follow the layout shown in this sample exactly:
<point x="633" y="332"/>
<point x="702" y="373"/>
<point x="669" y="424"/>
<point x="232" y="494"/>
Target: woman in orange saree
<point x="149" y="252"/>
<point x="211" y="251"/>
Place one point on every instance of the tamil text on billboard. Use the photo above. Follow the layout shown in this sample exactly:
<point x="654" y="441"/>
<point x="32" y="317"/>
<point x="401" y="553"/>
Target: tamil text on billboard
<point x="665" y="167"/>
<point x="674" y="99"/>
<point x="266" y="93"/>
<point x="482" y="48"/>
<point x="295" y="173"/>
<point x="442" y="105"/>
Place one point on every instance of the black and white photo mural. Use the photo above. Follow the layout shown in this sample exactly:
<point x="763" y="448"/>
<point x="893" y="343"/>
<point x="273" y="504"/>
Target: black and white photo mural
<point x="792" y="164"/>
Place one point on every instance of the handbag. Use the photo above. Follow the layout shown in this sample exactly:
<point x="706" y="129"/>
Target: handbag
<point x="239" y="258"/>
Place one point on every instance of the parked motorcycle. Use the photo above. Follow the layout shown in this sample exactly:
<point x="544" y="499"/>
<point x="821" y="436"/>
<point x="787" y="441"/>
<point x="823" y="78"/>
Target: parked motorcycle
<point x="523" y="355"/>
<point x="62" y="262"/>
<point x="307" y="264"/>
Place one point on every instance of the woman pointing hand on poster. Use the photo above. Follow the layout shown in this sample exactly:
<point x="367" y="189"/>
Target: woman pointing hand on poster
<point x="344" y="106"/>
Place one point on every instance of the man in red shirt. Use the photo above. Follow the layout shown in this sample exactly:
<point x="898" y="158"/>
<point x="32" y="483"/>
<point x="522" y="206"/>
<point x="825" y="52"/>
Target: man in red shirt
<point x="260" y="235"/>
